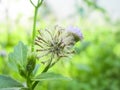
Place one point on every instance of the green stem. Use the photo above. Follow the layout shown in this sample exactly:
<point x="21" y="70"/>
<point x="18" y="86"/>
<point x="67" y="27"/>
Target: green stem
<point x="29" y="83"/>
<point x="34" y="23"/>
<point x="34" y="28"/>
<point x="55" y="62"/>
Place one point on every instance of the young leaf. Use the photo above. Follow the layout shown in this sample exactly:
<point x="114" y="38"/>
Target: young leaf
<point x="36" y="69"/>
<point x="18" y="56"/>
<point x="8" y="83"/>
<point x="50" y="76"/>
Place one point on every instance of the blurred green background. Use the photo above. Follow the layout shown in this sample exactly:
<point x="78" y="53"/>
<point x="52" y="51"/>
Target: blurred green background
<point x="96" y="66"/>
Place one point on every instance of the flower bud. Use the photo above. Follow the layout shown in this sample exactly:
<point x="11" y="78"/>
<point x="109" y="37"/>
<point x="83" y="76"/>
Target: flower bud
<point x="75" y="32"/>
<point x="31" y="62"/>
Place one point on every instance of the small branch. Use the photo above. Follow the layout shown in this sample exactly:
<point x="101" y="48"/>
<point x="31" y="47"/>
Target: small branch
<point x="55" y="62"/>
<point x="32" y="3"/>
<point x="48" y="66"/>
<point x="39" y="4"/>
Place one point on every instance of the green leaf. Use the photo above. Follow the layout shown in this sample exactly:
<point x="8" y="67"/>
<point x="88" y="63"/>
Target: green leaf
<point x="19" y="56"/>
<point x="50" y="76"/>
<point x="24" y="88"/>
<point x="36" y="69"/>
<point x="10" y="89"/>
<point x="7" y="83"/>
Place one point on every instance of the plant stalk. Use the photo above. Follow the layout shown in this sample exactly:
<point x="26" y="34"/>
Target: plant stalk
<point x="34" y="23"/>
<point x="34" y="28"/>
<point x="29" y="83"/>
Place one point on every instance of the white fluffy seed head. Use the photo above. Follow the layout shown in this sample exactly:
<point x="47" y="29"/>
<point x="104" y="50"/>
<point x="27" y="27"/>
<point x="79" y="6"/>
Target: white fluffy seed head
<point x="56" y="41"/>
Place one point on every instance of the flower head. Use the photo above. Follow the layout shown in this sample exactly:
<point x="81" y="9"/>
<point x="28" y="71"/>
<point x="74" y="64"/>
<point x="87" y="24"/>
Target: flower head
<point x="75" y="32"/>
<point x="55" y="43"/>
<point x="3" y="53"/>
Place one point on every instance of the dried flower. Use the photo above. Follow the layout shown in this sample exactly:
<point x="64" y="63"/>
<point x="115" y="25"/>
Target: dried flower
<point x="75" y="32"/>
<point x="55" y="43"/>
